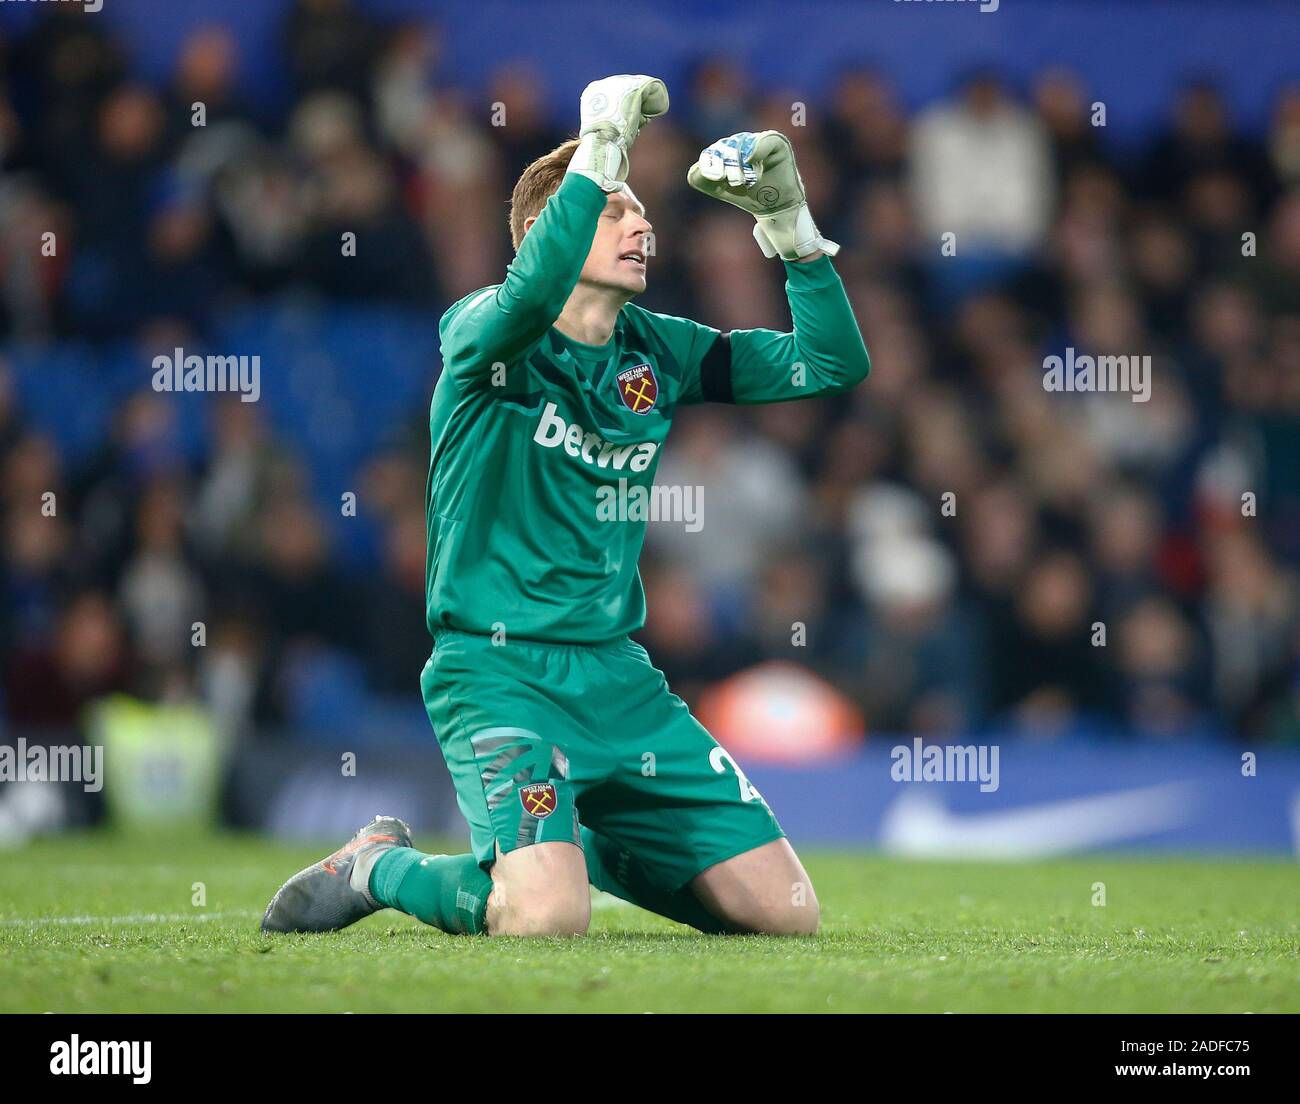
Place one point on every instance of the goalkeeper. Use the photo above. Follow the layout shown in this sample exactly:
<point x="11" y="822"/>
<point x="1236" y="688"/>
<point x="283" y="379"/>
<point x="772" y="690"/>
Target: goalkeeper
<point x="573" y="762"/>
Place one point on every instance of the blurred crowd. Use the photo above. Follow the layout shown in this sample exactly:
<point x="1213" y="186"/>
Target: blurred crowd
<point x="951" y="545"/>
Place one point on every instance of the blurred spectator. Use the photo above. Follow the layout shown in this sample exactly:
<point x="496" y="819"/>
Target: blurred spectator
<point x="1251" y="611"/>
<point x="395" y="642"/>
<point x="866" y="124"/>
<point x="160" y="594"/>
<point x="1199" y="144"/>
<point x="683" y="634"/>
<point x="1051" y="669"/>
<point x="940" y="544"/>
<point x="523" y="130"/>
<point x="981" y="169"/>
<point x="206" y="75"/>
<point x="330" y="44"/>
<point x="1061" y="104"/>
<point x="918" y="664"/>
<point x="719" y="98"/>
<point x="1284" y="141"/>
<point x="751" y="502"/>
<point x="48" y="683"/>
<point x="1162" y="678"/>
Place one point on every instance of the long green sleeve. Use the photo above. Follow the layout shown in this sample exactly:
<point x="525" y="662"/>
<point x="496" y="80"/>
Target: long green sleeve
<point x="823" y="354"/>
<point x="497" y="324"/>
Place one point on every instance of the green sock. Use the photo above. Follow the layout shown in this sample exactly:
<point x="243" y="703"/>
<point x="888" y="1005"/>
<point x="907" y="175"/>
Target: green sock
<point x="448" y="891"/>
<point x="616" y="870"/>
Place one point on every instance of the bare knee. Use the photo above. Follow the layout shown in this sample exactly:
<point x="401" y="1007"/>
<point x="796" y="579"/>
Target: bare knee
<point x="540" y="891"/>
<point x="770" y="910"/>
<point x="787" y="918"/>
<point x="765" y="891"/>
<point x="556" y="915"/>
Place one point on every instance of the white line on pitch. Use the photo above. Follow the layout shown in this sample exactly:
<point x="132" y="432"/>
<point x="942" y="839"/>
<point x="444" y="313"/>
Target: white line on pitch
<point x="134" y="918"/>
<point x="599" y="901"/>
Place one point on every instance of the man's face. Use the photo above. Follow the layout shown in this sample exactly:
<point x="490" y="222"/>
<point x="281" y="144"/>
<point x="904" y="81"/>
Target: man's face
<point x="618" y="255"/>
<point x="617" y="258"/>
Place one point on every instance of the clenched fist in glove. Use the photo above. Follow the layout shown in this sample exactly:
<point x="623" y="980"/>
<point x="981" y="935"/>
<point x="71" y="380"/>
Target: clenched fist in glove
<point x="613" y="112"/>
<point x="757" y="173"/>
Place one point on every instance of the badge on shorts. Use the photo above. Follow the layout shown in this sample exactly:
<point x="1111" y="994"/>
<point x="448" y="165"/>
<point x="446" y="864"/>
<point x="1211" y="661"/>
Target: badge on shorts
<point x="538" y="799"/>
<point x="638" y="388"/>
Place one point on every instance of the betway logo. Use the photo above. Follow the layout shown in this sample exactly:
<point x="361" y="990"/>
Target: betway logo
<point x="591" y="448"/>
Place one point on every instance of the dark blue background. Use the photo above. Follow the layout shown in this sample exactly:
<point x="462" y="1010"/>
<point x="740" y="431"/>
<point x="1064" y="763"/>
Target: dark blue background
<point x="1131" y="53"/>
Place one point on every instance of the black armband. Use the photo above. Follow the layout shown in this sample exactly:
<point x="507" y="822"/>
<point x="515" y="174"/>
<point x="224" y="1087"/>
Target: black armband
<point x="715" y="372"/>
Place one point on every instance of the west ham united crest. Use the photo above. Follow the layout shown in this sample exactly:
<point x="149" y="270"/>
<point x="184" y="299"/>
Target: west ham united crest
<point x="538" y="799"/>
<point x="638" y="388"/>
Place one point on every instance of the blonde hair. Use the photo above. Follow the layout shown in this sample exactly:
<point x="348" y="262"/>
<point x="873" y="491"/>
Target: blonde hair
<point x="538" y="183"/>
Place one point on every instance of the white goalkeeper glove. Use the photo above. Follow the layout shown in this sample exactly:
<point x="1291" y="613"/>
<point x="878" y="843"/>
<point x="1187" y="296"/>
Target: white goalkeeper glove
<point x="757" y="173"/>
<point x="613" y="112"/>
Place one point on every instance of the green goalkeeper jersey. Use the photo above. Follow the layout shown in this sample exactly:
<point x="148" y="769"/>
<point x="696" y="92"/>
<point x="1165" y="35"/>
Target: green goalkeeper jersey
<point x="532" y="431"/>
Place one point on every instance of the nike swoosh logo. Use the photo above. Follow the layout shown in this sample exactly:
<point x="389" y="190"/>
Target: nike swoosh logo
<point x="918" y="823"/>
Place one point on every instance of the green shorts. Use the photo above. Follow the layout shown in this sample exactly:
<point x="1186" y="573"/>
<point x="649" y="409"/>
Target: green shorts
<point x="540" y="736"/>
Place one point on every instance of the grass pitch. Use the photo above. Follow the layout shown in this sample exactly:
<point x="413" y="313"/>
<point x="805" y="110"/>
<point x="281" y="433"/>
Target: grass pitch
<point x="95" y="923"/>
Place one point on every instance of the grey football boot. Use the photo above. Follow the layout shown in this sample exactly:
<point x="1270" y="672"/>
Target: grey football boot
<point x="334" y="892"/>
